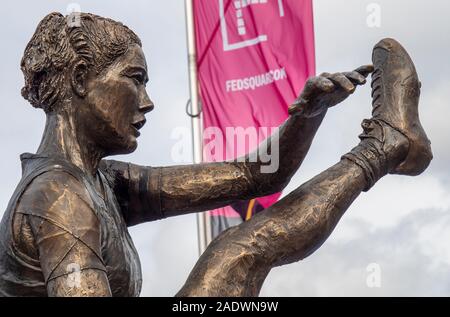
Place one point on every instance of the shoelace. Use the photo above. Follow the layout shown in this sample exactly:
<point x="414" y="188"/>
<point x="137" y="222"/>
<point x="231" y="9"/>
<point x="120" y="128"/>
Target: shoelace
<point x="377" y="83"/>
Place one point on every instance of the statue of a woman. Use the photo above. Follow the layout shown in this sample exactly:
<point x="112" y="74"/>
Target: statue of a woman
<point x="64" y="232"/>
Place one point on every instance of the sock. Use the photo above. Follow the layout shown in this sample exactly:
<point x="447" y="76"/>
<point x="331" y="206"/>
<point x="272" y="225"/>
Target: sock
<point x="381" y="149"/>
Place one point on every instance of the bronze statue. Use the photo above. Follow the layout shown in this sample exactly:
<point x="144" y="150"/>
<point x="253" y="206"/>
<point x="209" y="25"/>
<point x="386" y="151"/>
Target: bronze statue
<point x="71" y="209"/>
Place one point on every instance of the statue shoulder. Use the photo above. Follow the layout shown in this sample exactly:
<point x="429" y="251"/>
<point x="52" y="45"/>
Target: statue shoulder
<point x="57" y="196"/>
<point x="54" y="207"/>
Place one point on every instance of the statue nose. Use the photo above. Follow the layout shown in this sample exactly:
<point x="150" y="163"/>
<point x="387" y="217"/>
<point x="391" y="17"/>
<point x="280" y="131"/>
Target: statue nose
<point x="146" y="103"/>
<point x="147" y="107"/>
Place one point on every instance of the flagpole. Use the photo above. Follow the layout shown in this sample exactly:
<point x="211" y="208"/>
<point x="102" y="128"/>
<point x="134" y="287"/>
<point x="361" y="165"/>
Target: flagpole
<point x="203" y="221"/>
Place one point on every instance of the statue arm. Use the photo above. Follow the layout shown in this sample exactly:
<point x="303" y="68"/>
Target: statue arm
<point x="185" y="189"/>
<point x="93" y="283"/>
<point x="66" y="232"/>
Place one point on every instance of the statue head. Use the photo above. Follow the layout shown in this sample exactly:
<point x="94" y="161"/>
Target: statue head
<point x="93" y="75"/>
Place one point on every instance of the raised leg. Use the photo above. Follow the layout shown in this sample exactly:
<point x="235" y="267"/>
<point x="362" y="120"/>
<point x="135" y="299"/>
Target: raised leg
<point x="393" y="141"/>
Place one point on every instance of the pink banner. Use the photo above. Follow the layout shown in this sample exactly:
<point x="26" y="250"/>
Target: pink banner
<point x="254" y="57"/>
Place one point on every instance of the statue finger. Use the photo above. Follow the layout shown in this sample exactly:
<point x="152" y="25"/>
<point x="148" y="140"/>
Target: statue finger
<point x="365" y="70"/>
<point x="355" y="77"/>
<point x="317" y="85"/>
<point x="343" y="82"/>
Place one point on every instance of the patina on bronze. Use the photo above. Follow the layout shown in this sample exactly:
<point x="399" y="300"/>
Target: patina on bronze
<point x="64" y="232"/>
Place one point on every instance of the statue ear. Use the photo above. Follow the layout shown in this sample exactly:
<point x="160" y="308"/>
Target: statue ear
<point x="79" y="78"/>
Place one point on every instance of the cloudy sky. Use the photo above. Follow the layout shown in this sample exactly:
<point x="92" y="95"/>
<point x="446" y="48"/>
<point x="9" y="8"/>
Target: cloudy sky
<point x="402" y="225"/>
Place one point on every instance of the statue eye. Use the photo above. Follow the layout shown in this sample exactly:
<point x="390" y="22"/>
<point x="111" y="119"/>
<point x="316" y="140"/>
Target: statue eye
<point x="137" y="78"/>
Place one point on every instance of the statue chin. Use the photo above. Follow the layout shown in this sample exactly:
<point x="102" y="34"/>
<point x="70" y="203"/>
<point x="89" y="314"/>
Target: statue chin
<point x="132" y="148"/>
<point x="127" y="149"/>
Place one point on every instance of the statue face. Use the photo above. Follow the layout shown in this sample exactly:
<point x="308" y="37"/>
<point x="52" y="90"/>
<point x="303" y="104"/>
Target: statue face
<point x="115" y="103"/>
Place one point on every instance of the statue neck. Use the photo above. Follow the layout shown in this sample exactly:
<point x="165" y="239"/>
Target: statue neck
<point x="62" y="138"/>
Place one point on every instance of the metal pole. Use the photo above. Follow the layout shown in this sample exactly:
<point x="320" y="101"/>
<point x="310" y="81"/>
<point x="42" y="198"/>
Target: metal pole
<point x="203" y="221"/>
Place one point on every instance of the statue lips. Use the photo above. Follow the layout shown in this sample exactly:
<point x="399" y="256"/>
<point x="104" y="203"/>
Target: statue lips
<point x="137" y="126"/>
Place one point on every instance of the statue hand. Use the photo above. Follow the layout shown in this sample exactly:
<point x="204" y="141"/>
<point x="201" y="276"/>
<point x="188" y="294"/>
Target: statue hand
<point x="327" y="90"/>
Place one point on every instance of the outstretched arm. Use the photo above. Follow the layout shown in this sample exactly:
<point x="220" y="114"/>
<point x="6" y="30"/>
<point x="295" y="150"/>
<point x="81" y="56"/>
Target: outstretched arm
<point x="153" y="193"/>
